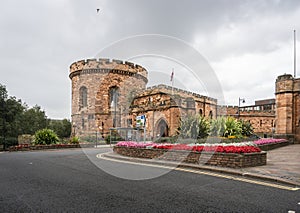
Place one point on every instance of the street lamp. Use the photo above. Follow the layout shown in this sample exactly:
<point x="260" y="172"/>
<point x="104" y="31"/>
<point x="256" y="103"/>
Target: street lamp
<point x="243" y="101"/>
<point x="3" y="119"/>
<point x="74" y="128"/>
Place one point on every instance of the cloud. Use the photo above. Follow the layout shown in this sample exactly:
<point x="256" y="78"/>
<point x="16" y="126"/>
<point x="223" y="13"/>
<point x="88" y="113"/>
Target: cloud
<point x="40" y="39"/>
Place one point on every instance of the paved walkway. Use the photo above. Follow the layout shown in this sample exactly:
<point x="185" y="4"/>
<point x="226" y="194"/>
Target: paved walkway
<point x="283" y="165"/>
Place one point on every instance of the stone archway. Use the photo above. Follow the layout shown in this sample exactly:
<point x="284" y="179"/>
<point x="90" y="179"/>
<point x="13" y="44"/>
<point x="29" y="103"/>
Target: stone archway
<point x="162" y="128"/>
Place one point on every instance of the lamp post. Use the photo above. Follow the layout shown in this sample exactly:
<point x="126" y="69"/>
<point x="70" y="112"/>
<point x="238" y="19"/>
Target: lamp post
<point x="243" y="101"/>
<point x="3" y="119"/>
<point x="74" y="128"/>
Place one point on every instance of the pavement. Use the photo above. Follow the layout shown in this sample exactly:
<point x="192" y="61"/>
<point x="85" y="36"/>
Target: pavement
<point x="283" y="165"/>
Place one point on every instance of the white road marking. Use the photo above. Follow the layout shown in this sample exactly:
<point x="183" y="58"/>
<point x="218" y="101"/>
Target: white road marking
<point x="204" y="173"/>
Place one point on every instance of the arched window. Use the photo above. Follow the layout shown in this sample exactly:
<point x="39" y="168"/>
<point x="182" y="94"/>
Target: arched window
<point x="82" y="97"/>
<point x="200" y="112"/>
<point x="113" y="97"/>
<point x="210" y="114"/>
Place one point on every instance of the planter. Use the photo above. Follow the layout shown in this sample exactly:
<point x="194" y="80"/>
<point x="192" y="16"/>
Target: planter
<point x="267" y="147"/>
<point x="42" y="147"/>
<point x="231" y="160"/>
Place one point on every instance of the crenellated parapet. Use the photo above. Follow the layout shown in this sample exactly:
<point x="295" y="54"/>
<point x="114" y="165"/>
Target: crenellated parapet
<point x="105" y="66"/>
<point x="284" y="84"/>
<point x="169" y="89"/>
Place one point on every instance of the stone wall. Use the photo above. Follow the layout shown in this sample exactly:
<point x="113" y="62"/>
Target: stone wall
<point x="215" y="159"/>
<point x="98" y="77"/>
<point x="161" y="103"/>
<point x="263" y="120"/>
<point x="288" y="107"/>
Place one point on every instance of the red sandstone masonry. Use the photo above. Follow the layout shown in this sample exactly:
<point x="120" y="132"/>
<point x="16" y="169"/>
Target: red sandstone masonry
<point x="217" y="159"/>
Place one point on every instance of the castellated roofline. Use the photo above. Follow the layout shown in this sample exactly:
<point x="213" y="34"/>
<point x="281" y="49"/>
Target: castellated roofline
<point x="104" y="65"/>
<point x="98" y="63"/>
<point x="178" y="91"/>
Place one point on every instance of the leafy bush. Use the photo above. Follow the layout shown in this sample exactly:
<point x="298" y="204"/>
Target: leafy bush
<point x="218" y="126"/>
<point x="45" y="137"/>
<point x="194" y="127"/>
<point x="74" y="140"/>
<point x="232" y="127"/>
<point x="9" y="141"/>
<point x="115" y="137"/>
<point x="247" y="129"/>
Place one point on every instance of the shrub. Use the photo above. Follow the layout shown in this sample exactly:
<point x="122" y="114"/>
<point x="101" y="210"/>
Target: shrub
<point x="45" y="137"/>
<point x="217" y="126"/>
<point x="247" y="129"/>
<point x="115" y="137"/>
<point x="232" y="127"/>
<point x="74" y="140"/>
<point x="194" y="127"/>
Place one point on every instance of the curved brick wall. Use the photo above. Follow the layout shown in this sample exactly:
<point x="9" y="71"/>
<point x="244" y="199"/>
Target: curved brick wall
<point x="98" y="76"/>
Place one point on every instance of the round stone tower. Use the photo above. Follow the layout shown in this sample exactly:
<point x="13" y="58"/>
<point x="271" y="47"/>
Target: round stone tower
<point x="102" y="92"/>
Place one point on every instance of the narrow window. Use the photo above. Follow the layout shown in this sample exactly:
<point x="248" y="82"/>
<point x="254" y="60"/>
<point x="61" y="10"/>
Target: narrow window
<point x="82" y="97"/>
<point x="200" y="112"/>
<point x="210" y="114"/>
<point x="114" y="96"/>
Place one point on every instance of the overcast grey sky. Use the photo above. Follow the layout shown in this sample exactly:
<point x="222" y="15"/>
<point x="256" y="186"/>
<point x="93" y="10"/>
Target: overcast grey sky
<point x="247" y="43"/>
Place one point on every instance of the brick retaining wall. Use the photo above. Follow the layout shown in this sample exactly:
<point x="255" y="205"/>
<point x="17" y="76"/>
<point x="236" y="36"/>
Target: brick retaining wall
<point x="267" y="147"/>
<point x="42" y="147"/>
<point x="217" y="159"/>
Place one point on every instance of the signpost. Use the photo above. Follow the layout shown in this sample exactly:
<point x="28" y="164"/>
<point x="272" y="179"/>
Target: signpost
<point x="141" y="122"/>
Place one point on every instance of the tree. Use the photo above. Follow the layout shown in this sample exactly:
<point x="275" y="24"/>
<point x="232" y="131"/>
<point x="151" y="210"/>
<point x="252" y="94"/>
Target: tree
<point x="61" y="127"/>
<point x="16" y="118"/>
<point x="10" y="113"/>
<point x="33" y="119"/>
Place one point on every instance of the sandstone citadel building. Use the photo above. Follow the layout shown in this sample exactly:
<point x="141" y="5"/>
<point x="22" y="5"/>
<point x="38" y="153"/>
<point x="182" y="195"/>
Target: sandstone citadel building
<point x="111" y="93"/>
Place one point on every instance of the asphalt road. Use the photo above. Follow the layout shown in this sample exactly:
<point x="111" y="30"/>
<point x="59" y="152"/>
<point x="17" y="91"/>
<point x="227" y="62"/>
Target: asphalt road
<point x="69" y="181"/>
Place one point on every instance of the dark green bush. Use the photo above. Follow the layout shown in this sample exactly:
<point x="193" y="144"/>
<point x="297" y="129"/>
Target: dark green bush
<point x="45" y="137"/>
<point x="9" y="141"/>
<point x="115" y="137"/>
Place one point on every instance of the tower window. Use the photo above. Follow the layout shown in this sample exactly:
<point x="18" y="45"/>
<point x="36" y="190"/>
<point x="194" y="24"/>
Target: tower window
<point x="114" y="96"/>
<point x="82" y="97"/>
<point x="200" y="112"/>
<point x="210" y="114"/>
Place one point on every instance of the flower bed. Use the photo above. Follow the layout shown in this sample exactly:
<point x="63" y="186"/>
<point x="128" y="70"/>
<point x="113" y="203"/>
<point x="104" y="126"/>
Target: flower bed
<point x="27" y="147"/>
<point x="226" y="155"/>
<point x="266" y="144"/>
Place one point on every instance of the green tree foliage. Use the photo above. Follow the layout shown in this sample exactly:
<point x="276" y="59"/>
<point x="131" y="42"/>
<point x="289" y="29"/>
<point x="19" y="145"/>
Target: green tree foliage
<point x="33" y="119"/>
<point x="16" y="118"/>
<point x="45" y="137"/>
<point x="196" y="127"/>
<point x="10" y="122"/>
<point x="61" y="127"/>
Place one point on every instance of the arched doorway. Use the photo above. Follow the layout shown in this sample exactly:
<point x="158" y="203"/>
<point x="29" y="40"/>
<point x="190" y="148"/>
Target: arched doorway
<point x="162" y="129"/>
